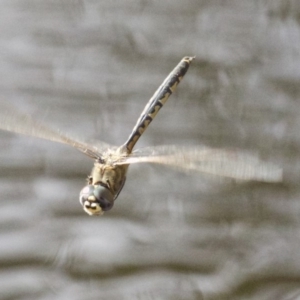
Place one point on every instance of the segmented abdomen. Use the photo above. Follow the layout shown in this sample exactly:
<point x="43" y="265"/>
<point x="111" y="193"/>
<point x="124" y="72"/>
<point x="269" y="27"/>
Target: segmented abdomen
<point x="157" y="101"/>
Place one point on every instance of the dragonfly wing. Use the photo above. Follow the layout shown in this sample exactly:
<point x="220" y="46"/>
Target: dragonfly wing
<point x="228" y="163"/>
<point x="14" y="121"/>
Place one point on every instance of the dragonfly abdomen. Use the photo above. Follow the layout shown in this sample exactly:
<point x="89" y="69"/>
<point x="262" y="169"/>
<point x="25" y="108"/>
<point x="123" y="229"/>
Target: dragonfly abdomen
<point x="157" y="101"/>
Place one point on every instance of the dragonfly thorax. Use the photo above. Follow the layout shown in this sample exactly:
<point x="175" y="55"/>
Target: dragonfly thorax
<point x="104" y="185"/>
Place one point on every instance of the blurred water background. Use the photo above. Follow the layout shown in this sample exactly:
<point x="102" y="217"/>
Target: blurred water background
<point x="88" y="68"/>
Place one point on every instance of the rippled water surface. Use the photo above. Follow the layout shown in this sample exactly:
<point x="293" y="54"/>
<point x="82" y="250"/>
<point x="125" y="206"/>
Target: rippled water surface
<point x="88" y="68"/>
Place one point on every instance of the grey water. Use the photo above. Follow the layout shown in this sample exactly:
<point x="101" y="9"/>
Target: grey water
<point x="88" y="68"/>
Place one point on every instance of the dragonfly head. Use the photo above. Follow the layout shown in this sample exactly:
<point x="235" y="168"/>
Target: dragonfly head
<point x="95" y="199"/>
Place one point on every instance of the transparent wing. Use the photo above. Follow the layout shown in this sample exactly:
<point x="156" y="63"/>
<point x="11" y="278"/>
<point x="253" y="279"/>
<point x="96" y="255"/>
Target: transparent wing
<point x="221" y="162"/>
<point x="14" y="121"/>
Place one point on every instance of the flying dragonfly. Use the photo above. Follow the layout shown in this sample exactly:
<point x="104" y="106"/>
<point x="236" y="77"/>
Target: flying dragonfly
<point x="108" y="175"/>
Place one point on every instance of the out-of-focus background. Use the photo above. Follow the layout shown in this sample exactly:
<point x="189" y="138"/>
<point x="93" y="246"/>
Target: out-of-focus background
<point x="88" y="68"/>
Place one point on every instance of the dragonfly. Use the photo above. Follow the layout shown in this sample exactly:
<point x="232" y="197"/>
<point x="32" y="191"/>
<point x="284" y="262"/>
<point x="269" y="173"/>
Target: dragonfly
<point x="111" y="163"/>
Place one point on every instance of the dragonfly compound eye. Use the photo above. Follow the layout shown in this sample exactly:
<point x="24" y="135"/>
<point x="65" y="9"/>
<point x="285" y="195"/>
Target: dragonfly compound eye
<point x="95" y="199"/>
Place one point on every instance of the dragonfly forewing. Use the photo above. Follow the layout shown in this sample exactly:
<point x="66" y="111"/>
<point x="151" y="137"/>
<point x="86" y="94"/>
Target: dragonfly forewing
<point x="14" y="121"/>
<point x="221" y="162"/>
